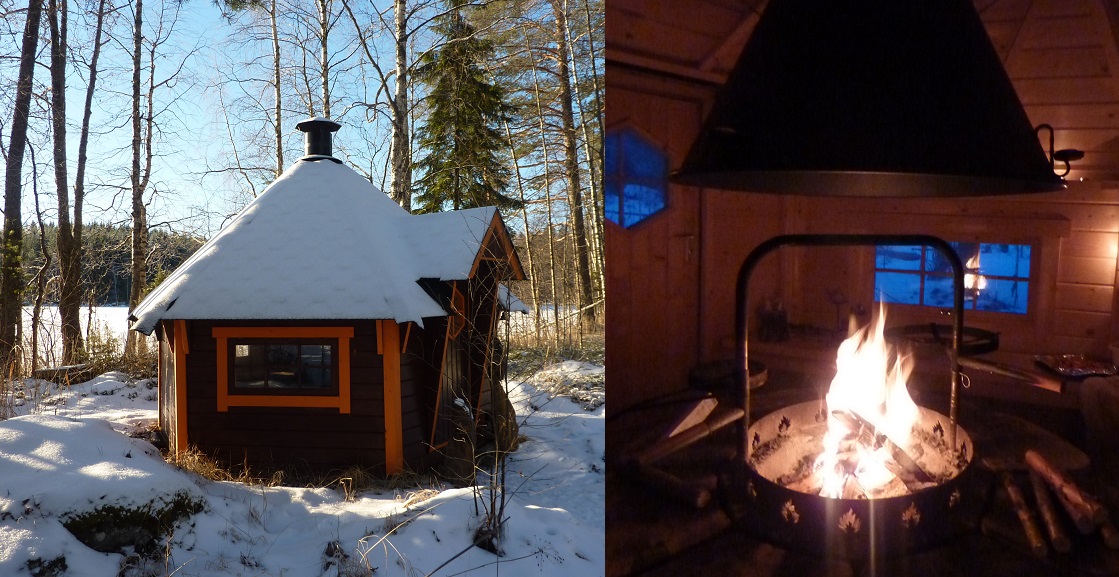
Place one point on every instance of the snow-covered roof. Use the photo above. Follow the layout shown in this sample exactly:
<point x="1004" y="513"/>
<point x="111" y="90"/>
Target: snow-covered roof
<point x="320" y="243"/>
<point x="448" y="242"/>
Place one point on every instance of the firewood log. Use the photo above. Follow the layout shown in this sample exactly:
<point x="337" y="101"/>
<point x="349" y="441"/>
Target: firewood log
<point x="1057" y="535"/>
<point x="855" y="421"/>
<point x="1064" y="485"/>
<point x="1079" y="516"/>
<point x="1025" y="516"/>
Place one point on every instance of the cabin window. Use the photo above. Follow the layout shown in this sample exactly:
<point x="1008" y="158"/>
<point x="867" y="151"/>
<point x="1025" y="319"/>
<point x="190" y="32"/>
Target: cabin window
<point x="283" y="367"/>
<point x="636" y="178"/>
<point x="997" y="276"/>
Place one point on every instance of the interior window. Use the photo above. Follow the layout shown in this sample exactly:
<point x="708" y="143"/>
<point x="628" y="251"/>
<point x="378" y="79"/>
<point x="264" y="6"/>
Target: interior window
<point x="997" y="276"/>
<point x="283" y="366"/>
<point x="636" y="178"/>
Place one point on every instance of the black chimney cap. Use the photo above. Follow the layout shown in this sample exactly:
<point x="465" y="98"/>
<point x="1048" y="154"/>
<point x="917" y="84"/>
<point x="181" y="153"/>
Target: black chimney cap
<point x="317" y="141"/>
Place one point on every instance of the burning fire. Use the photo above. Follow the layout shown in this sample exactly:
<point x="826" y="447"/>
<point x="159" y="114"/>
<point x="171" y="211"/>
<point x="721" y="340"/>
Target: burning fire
<point x="972" y="280"/>
<point x="870" y="419"/>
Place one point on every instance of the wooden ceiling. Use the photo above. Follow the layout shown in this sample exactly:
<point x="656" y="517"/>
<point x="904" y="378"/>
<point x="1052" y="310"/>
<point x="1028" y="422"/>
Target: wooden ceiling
<point x="1061" y="55"/>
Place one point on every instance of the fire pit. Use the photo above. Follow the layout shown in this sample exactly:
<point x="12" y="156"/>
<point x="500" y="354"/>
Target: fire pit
<point x="864" y="472"/>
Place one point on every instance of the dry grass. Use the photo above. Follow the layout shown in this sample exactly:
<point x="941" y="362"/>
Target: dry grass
<point x="205" y="466"/>
<point x="352" y="481"/>
<point x="527" y="359"/>
<point x="420" y="496"/>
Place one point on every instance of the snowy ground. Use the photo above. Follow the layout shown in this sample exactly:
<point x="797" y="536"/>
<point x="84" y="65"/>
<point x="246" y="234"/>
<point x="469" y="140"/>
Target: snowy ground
<point x="65" y="454"/>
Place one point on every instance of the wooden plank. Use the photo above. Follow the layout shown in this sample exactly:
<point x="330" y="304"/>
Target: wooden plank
<point x="1062" y="116"/>
<point x="302" y="419"/>
<point x="1083" y="325"/>
<point x="1057" y="31"/>
<point x="1065" y="91"/>
<point x="1092" y="217"/>
<point x="182" y="408"/>
<point x="344" y="374"/>
<point x="673" y="45"/>
<point x="1086" y="298"/>
<point x="394" y="438"/>
<point x="1086" y="270"/>
<point x="283" y="332"/>
<point x="1059" y="8"/>
<point x="294" y="439"/>
<point x="1071" y="345"/>
<point x="1090" y="244"/>
<point x="1002" y="10"/>
<point x="1090" y="61"/>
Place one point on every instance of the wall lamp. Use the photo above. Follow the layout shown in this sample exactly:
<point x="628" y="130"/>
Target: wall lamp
<point x="1065" y="155"/>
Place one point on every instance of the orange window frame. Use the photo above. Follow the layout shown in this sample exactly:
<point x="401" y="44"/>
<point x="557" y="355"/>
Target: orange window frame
<point x="341" y="401"/>
<point x="457" y="320"/>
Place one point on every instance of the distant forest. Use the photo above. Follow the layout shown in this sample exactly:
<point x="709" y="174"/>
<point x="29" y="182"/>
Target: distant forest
<point x="106" y="261"/>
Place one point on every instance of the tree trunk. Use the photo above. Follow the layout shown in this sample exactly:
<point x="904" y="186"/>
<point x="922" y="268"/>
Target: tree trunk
<point x="276" y="86"/>
<point x="324" y="54"/>
<point x="594" y="150"/>
<point x="139" y="211"/>
<point x="11" y="272"/>
<point x="40" y="279"/>
<point x="571" y="168"/>
<point x="557" y="332"/>
<point x="69" y="262"/>
<point x="530" y="266"/>
<point x="401" y="147"/>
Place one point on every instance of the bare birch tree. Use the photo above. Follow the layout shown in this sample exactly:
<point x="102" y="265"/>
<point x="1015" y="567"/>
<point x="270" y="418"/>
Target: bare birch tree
<point x="11" y="272"/>
<point x="399" y="105"/>
<point x="139" y="209"/>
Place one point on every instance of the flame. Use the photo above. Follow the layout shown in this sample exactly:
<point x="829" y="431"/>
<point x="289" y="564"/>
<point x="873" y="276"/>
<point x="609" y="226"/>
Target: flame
<point x="973" y="281"/>
<point x="870" y="383"/>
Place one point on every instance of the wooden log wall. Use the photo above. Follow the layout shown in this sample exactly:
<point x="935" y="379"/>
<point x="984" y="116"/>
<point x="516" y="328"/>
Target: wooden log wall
<point x="270" y="436"/>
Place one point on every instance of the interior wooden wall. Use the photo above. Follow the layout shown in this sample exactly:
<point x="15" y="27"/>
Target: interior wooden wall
<point x="652" y="268"/>
<point x="1075" y="232"/>
<point x="671" y="279"/>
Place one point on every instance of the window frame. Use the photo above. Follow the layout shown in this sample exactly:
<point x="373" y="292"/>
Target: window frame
<point x="331" y="389"/>
<point x="620" y="179"/>
<point x="971" y="304"/>
<point x="337" y="397"/>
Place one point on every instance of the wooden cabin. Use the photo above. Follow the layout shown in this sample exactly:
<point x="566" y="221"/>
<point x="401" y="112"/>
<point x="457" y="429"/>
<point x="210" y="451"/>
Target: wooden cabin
<point x="325" y="326"/>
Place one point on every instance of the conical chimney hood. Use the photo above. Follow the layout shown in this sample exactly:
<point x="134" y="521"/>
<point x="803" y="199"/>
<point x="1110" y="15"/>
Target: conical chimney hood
<point x="896" y="98"/>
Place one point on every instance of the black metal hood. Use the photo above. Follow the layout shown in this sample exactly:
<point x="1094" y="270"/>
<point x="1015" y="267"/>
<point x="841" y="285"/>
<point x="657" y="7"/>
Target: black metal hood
<point x="888" y="98"/>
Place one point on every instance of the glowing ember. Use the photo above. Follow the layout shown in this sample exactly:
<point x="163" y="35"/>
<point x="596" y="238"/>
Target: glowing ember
<point x="870" y="418"/>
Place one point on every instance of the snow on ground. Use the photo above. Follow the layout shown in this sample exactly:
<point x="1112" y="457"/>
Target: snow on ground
<point x="65" y="453"/>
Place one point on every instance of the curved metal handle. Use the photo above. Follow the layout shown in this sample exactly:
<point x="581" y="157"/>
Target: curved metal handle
<point x="742" y="309"/>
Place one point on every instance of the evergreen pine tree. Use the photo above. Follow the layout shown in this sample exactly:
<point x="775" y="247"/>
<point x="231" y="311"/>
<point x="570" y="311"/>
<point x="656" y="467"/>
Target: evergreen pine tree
<point x="462" y="141"/>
